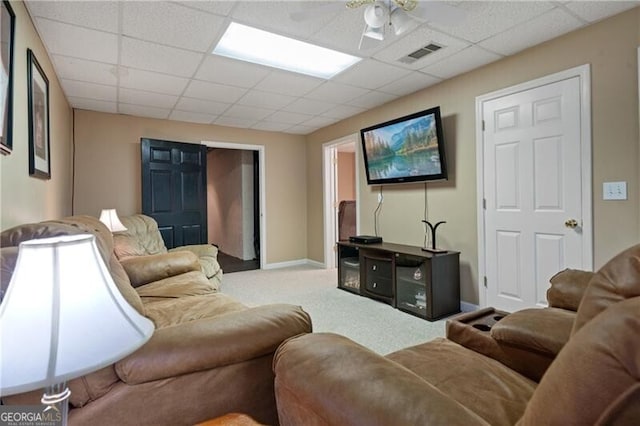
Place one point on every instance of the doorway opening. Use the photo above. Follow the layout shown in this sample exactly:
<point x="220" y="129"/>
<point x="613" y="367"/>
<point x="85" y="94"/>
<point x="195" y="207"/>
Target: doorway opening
<point x="341" y="192"/>
<point x="234" y="205"/>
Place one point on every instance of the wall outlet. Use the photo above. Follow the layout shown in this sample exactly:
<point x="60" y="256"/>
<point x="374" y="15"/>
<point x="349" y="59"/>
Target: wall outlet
<point x="614" y="190"/>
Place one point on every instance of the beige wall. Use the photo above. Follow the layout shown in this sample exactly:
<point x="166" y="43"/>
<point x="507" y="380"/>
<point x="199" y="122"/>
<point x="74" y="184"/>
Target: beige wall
<point x="108" y="171"/>
<point x="346" y="176"/>
<point x="24" y="198"/>
<point x="609" y="46"/>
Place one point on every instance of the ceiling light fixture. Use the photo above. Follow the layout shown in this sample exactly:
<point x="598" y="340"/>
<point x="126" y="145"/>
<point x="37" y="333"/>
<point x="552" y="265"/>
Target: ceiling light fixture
<point x="262" y="47"/>
<point x="379" y="15"/>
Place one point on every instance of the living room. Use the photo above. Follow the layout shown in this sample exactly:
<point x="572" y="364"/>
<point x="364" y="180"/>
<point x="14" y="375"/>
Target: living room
<point x="95" y="156"/>
<point x="106" y="170"/>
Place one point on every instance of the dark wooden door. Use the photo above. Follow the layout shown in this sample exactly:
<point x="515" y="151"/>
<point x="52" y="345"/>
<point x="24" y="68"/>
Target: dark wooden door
<point x="174" y="190"/>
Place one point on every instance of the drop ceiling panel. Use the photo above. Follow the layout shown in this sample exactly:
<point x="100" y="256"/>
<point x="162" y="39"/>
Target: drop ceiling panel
<point x="371" y="74"/>
<point x="330" y="91"/>
<point x="77" y="42"/>
<point x="242" y="111"/>
<point x="596" y="10"/>
<point x="417" y="39"/>
<point x="140" y="97"/>
<point x="487" y="18"/>
<point x="409" y="84"/>
<point x="300" y="130"/>
<point x="218" y="69"/>
<point x="81" y="89"/>
<point x="171" y="24"/>
<point x="221" y="8"/>
<point x="143" y="111"/>
<point x="460" y="62"/>
<point x="99" y="15"/>
<point x="234" y="122"/>
<point x="214" y="92"/>
<point x="289" y="117"/>
<point x="538" y="30"/>
<point x="319" y="121"/>
<point x="270" y="126"/>
<point x="309" y="106"/>
<point x="151" y="81"/>
<point x="82" y="70"/>
<point x="192" y="117"/>
<point x="199" y="105"/>
<point x="260" y="99"/>
<point x="154" y="57"/>
<point x="288" y="83"/>
<point x="343" y="111"/>
<point x="276" y="16"/>
<point x="93" y="105"/>
<point x="372" y="99"/>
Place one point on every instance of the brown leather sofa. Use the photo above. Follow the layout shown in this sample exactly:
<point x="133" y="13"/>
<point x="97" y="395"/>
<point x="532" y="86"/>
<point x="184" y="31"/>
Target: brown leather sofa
<point x="143" y="238"/>
<point x="209" y="355"/>
<point x="326" y="379"/>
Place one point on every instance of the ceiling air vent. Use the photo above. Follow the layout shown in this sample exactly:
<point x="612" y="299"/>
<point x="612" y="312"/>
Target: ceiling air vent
<point x="420" y="53"/>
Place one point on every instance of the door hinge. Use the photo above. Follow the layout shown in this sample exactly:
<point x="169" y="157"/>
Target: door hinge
<point x="483" y="125"/>
<point x="484" y="203"/>
<point x="485" y="281"/>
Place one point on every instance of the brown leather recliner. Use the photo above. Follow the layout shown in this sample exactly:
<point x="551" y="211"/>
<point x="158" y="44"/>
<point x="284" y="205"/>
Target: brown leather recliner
<point x="209" y="355"/>
<point x="326" y="379"/>
<point x="530" y="339"/>
<point x="143" y="238"/>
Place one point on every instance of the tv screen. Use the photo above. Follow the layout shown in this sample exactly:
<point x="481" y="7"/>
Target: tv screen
<point x="407" y="149"/>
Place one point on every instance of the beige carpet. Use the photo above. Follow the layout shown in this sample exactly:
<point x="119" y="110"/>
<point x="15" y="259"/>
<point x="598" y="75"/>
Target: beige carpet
<point x="375" y="325"/>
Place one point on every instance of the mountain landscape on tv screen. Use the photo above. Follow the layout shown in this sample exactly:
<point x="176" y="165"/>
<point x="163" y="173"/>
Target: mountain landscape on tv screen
<point x="408" y="148"/>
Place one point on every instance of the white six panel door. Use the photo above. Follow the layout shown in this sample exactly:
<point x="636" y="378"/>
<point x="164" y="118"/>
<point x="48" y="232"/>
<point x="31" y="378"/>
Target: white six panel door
<point x="532" y="187"/>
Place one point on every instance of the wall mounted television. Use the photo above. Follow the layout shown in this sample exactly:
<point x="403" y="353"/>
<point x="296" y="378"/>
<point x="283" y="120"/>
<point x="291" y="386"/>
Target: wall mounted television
<point x="406" y="149"/>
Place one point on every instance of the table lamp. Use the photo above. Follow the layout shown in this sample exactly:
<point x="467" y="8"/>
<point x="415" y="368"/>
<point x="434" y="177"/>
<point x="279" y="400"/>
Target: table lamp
<point x="110" y="218"/>
<point x="63" y="317"/>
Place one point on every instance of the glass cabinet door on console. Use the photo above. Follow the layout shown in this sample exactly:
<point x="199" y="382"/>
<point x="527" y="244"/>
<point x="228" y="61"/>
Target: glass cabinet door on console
<point x="349" y="268"/>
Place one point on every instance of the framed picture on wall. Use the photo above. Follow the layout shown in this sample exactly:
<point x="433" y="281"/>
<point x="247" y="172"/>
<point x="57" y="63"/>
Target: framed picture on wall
<point x="39" y="153"/>
<point x="7" y="35"/>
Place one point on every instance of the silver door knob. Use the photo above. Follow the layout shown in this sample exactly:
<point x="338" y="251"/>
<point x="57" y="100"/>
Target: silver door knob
<point x="571" y="223"/>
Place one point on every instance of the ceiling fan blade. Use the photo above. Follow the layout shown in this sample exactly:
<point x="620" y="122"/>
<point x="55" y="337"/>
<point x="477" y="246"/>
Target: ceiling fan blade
<point x="439" y="12"/>
<point x="316" y="11"/>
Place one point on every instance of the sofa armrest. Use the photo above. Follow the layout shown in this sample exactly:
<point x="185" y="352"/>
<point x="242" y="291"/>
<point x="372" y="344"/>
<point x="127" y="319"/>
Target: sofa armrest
<point x="145" y="269"/>
<point x="200" y="250"/>
<point x="544" y="331"/>
<point x="567" y="288"/>
<point x="324" y="378"/>
<point x="213" y="342"/>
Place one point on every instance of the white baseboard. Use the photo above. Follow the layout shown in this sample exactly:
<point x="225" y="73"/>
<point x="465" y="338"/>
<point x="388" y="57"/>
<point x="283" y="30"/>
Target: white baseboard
<point x="290" y="263"/>
<point x="468" y="307"/>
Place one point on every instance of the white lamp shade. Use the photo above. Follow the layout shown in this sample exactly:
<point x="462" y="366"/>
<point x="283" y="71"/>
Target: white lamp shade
<point x="63" y="316"/>
<point x="374" y="33"/>
<point x="110" y="218"/>
<point x="375" y="15"/>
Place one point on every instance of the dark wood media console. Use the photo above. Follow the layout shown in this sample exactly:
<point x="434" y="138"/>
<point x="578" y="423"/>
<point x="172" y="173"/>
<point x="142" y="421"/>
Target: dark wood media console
<point x="418" y="282"/>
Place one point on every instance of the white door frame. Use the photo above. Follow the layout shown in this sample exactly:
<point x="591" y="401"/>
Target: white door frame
<point x="329" y="187"/>
<point x="261" y="171"/>
<point x="584" y="74"/>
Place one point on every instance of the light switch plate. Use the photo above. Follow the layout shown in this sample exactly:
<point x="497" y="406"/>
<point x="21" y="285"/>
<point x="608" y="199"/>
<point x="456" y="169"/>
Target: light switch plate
<point x="614" y="190"/>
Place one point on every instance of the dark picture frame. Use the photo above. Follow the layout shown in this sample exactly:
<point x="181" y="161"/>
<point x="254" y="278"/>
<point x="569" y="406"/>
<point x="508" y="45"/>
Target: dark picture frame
<point x="39" y="152"/>
<point x="7" y="37"/>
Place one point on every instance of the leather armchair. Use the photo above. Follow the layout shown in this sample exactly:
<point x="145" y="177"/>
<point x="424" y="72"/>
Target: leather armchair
<point x="143" y="238"/>
<point x="527" y="340"/>
<point x="326" y="379"/>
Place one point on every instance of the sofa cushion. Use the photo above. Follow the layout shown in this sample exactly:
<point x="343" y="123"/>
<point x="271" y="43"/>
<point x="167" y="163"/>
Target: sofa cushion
<point x="483" y="385"/>
<point x="541" y="330"/>
<point x="168" y="312"/>
<point x="145" y="269"/>
<point x="191" y="283"/>
<point x="617" y="280"/>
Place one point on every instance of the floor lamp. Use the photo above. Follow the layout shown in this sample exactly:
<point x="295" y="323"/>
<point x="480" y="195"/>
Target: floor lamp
<point x="63" y="317"/>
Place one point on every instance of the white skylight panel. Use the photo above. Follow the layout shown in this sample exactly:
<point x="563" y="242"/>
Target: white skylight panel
<point x="265" y="48"/>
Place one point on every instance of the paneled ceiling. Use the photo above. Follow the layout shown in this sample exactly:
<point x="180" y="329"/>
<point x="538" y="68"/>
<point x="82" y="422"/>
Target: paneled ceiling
<point x="153" y="59"/>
